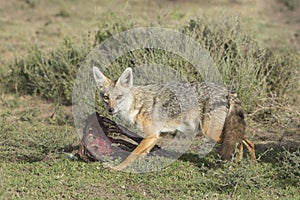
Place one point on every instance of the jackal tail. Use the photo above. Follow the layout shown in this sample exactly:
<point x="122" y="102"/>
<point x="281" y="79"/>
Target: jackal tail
<point x="234" y="131"/>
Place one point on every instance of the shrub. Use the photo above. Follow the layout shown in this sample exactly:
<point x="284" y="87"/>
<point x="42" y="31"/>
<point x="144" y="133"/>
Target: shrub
<point x="256" y="73"/>
<point x="49" y="75"/>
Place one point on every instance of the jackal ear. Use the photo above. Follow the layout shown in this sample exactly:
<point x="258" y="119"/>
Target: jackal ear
<point x="100" y="79"/>
<point x="126" y="78"/>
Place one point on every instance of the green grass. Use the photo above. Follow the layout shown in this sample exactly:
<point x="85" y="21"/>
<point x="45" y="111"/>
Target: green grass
<point x="34" y="166"/>
<point x="35" y="137"/>
<point x="62" y="178"/>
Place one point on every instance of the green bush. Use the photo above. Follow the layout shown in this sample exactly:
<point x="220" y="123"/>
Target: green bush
<point x="256" y="73"/>
<point x="49" y="75"/>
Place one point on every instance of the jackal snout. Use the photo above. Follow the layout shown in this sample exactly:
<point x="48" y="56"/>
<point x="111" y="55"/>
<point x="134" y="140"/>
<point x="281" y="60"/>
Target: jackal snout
<point x="110" y="110"/>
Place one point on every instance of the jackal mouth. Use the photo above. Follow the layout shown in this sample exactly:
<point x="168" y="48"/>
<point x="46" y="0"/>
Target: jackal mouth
<point x="113" y="114"/>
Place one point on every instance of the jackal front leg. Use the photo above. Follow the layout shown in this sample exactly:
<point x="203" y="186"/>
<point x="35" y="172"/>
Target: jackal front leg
<point x="143" y="148"/>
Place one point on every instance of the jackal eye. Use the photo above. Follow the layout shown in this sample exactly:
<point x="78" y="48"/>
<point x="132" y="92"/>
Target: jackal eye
<point x="119" y="97"/>
<point x="105" y="97"/>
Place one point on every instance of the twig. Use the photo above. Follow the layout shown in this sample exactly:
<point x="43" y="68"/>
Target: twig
<point x="264" y="153"/>
<point x="234" y="191"/>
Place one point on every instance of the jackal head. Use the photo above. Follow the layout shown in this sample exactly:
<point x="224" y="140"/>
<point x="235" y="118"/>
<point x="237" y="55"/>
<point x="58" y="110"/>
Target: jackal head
<point x="116" y="95"/>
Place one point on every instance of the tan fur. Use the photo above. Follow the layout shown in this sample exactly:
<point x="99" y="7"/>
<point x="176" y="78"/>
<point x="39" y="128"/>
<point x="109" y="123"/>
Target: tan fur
<point x="182" y="106"/>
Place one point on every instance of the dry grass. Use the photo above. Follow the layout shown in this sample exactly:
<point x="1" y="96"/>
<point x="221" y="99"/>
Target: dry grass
<point x="35" y="132"/>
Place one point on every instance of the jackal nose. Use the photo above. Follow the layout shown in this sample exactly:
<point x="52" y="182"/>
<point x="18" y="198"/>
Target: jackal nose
<point x="111" y="110"/>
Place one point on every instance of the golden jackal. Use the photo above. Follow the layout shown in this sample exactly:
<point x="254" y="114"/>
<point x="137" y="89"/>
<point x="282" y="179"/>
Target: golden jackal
<point x="158" y="108"/>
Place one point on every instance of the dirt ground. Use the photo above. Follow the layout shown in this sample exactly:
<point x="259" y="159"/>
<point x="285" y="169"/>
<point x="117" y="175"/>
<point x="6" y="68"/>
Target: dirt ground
<point x="26" y="23"/>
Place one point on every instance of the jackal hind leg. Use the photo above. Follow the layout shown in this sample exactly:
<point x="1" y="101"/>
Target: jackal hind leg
<point x="250" y="147"/>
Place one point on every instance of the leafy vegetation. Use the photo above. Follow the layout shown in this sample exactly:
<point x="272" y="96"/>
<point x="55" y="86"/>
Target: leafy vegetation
<point x="257" y="73"/>
<point x="51" y="75"/>
<point x="38" y="132"/>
